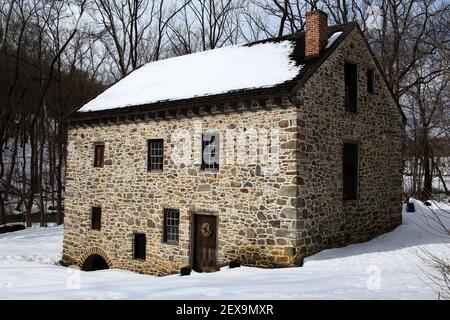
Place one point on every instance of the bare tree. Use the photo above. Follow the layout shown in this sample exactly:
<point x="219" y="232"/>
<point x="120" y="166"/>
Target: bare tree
<point x="290" y="14"/>
<point x="132" y="31"/>
<point x="206" y="24"/>
<point x="436" y="265"/>
<point x="33" y="53"/>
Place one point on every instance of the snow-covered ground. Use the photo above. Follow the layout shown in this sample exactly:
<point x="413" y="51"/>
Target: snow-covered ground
<point x="386" y="267"/>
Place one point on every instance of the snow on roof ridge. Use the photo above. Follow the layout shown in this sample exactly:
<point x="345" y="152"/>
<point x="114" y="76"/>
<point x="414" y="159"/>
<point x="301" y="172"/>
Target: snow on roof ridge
<point x="215" y="71"/>
<point x="333" y="38"/>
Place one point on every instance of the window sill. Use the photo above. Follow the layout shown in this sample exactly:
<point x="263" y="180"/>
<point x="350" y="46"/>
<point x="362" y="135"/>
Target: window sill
<point x="171" y="243"/>
<point x="155" y="171"/>
<point x="139" y="260"/>
<point x="209" y="171"/>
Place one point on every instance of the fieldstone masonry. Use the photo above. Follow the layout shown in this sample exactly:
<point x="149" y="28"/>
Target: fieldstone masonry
<point x="325" y="220"/>
<point x="263" y="220"/>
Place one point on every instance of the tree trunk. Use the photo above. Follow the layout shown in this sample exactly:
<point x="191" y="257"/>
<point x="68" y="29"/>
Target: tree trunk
<point x="24" y="169"/>
<point x="428" y="177"/>
<point x="2" y="170"/>
<point x="12" y="165"/>
<point x="2" y="211"/>
<point x="441" y="178"/>
<point x="41" y="180"/>
<point x="33" y="171"/>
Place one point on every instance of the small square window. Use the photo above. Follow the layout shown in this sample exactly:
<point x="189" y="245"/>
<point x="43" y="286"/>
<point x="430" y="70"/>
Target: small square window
<point x="171" y="225"/>
<point x="370" y="81"/>
<point x="155" y="155"/>
<point x="140" y="244"/>
<point x="99" y="155"/>
<point x="96" y="218"/>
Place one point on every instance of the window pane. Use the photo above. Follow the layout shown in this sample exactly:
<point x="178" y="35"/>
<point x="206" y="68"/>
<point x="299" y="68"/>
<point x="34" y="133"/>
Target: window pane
<point x="155" y="155"/>
<point x="210" y="151"/>
<point x="171" y="225"/>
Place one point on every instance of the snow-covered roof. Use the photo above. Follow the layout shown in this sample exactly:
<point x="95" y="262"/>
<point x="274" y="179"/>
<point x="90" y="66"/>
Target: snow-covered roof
<point x="332" y="39"/>
<point x="263" y="67"/>
<point x="201" y="74"/>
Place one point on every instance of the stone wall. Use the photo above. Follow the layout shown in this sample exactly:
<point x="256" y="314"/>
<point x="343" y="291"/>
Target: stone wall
<point x="256" y="214"/>
<point x="325" y="219"/>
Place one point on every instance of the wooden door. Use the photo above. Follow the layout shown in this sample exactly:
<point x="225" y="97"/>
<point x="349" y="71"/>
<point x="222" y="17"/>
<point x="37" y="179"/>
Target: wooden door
<point x="205" y="243"/>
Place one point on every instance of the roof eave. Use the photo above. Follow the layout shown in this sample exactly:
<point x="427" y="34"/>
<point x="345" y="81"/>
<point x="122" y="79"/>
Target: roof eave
<point x="281" y="90"/>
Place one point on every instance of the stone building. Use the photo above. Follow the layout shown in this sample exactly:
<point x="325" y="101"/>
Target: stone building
<point x="332" y="128"/>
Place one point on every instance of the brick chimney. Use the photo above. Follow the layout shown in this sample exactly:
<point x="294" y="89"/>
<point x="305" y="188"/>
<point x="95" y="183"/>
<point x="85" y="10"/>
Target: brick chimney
<point x="316" y="33"/>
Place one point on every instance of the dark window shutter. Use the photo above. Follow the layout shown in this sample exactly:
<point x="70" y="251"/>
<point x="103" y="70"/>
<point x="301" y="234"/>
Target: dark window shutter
<point x="99" y="155"/>
<point x="96" y="218"/>
<point x="203" y="166"/>
<point x="350" y="171"/>
<point x="370" y="81"/>
<point x="140" y="243"/>
<point x="351" y="93"/>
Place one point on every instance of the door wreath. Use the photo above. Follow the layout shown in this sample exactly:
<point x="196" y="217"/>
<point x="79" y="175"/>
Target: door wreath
<point x="206" y="230"/>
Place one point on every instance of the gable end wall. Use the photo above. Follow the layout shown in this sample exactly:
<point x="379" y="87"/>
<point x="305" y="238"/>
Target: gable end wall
<point x="325" y="219"/>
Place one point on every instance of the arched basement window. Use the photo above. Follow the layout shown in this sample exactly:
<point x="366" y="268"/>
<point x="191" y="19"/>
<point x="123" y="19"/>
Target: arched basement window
<point x="95" y="262"/>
